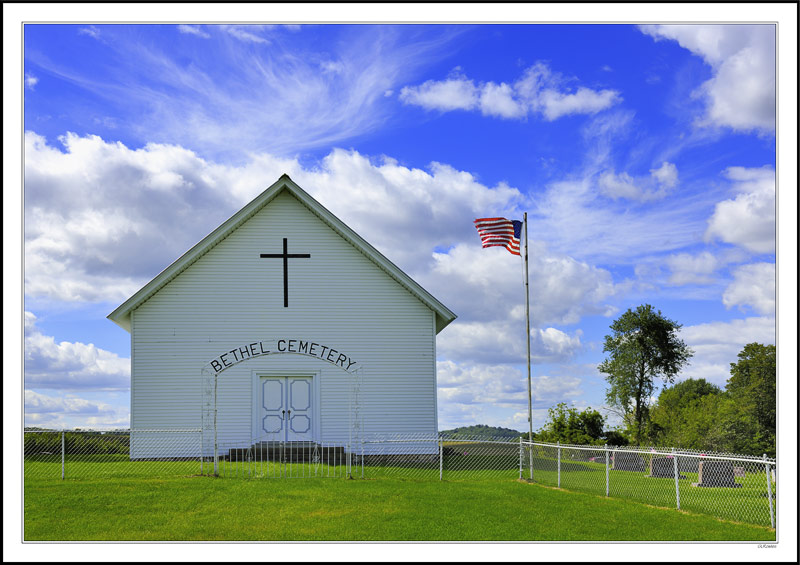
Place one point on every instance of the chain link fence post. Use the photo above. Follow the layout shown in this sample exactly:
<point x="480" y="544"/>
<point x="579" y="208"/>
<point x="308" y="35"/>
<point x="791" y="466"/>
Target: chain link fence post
<point x="559" y="464"/>
<point x="62" y="455"/>
<point x="677" y="489"/>
<point x="769" y="493"/>
<point x="605" y="447"/>
<point x="441" y="458"/>
<point x="530" y="457"/>
<point x="520" y="457"/>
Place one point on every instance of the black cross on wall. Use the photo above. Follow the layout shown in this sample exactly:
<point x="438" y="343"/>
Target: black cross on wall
<point x="286" y="256"/>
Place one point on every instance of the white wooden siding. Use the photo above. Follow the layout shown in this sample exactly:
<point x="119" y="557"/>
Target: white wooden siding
<point x="338" y="297"/>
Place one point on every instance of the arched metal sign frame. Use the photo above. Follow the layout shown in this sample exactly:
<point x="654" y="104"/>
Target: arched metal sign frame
<point x="277" y="346"/>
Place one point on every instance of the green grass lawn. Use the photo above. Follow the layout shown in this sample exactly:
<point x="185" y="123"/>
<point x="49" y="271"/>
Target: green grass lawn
<point x="207" y="508"/>
<point x="746" y="504"/>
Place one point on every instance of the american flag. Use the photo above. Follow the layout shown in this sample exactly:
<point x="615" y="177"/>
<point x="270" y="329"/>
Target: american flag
<point x="500" y="232"/>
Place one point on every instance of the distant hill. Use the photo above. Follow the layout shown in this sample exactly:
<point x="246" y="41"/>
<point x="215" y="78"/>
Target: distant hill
<point x="480" y="431"/>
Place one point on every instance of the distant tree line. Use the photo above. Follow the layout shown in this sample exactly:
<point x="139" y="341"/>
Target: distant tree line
<point x="76" y="442"/>
<point x="480" y="431"/>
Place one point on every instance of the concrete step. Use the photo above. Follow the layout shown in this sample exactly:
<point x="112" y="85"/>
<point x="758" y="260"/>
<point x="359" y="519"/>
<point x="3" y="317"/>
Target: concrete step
<point x="289" y="452"/>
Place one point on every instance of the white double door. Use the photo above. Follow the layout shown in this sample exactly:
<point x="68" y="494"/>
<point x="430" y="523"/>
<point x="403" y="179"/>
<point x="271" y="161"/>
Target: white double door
<point x="287" y="409"/>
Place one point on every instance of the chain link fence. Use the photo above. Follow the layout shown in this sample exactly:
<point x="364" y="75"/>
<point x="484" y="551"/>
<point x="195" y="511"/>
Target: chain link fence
<point x="414" y="456"/>
<point x="429" y="456"/>
<point x="86" y="454"/>
<point x="729" y="486"/>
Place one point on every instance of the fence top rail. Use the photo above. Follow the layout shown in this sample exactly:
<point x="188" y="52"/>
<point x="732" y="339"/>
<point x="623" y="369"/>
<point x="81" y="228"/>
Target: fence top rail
<point x="433" y="439"/>
<point x="176" y="430"/>
<point x="661" y="451"/>
<point x="407" y="440"/>
<point x="565" y="446"/>
<point x="118" y="432"/>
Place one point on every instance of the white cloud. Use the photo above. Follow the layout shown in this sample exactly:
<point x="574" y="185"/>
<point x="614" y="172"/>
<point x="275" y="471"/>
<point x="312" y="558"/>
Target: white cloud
<point x="91" y="31"/>
<point x="497" y="395"/>
<point x="576" y="219"/>
<point x="558" y="344"/>
<point x="447" y="95"/>
<point x="30" y="81"/>
<point x="193" y="30"/>
<point x="334" y="67"/>
<point x="641" y="189"/>
<point x="500" y="385"/>
<point x="101" y="219"/>
<point x="498" y="100"/>
<point x="584" y="101"/>
<point x="749" y="219"/>
<point x="70" y="411"/>
<point x="281" y="102"/>
<point x="70" y="365"/>
<point x="539" y="90"/>
<point x="246" y="33"/>
<point x="503" y="341"/>
<point x="546" y="92"/>
<point x="36" y="403"/>
<point x="716" y="345"/>
<point x="666" y="175"/>
<point x="753" y="285"/>
<point x="485" y="284"/>
<point x="692" y="269"/>
<point x="741" y="92"/>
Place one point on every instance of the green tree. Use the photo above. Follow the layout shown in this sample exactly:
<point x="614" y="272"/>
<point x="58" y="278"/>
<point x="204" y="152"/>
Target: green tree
<point x="644" y="346"/>
<point x="750" y="418"/>
<point x="567" y="425"/>
<point x="687" y="415"/>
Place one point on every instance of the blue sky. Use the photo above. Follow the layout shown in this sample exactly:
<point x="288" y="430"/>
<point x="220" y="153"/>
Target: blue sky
<point x="645" y="158"/>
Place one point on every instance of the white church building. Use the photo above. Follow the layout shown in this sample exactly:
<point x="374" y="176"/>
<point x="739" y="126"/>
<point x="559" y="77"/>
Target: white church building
<point x="282" y="324"/>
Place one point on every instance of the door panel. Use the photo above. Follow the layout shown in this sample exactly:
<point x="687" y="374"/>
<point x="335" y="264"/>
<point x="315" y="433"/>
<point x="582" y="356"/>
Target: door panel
<point x="287" y="409"/>
<point x="300" y="406"/>
<point x="273" y="398"/>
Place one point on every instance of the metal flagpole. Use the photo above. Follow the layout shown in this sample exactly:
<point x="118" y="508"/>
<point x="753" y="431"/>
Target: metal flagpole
<point x="528" y="343"/>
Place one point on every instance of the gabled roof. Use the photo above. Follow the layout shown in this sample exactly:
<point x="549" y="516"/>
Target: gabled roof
<point x="122" y="315"/>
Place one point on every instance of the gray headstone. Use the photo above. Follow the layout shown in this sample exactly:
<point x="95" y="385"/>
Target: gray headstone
<point x="663" y="468"/>
<point x="624" y="461"/>
<point x="716" y="474"/>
